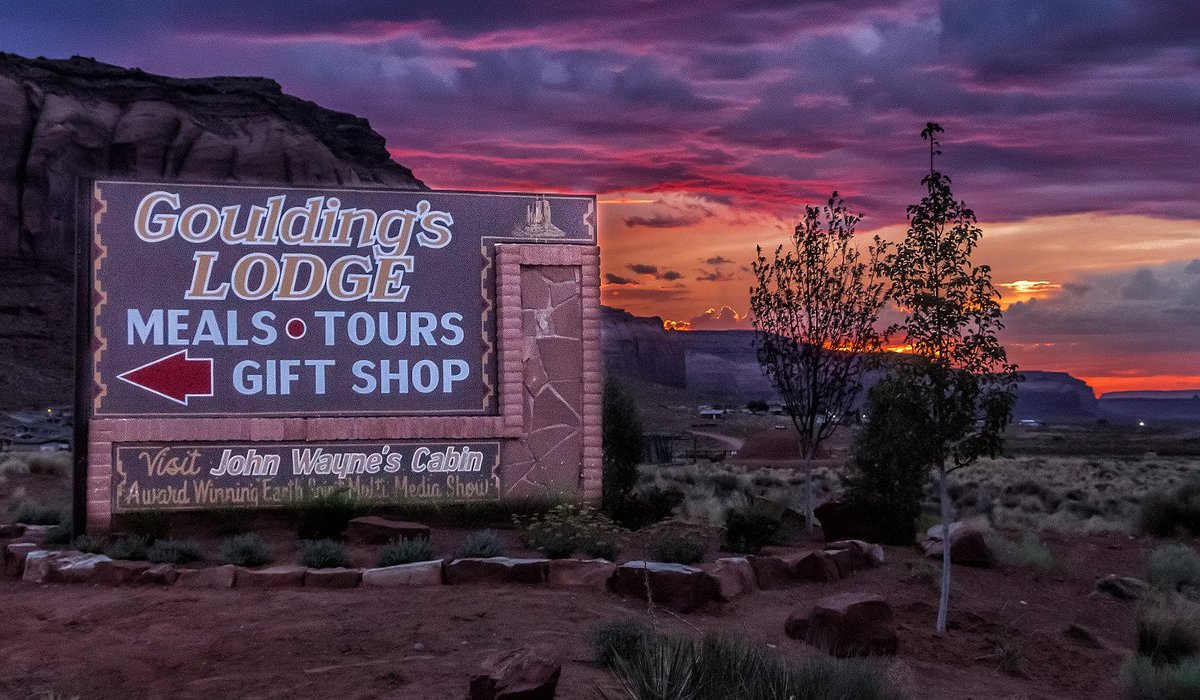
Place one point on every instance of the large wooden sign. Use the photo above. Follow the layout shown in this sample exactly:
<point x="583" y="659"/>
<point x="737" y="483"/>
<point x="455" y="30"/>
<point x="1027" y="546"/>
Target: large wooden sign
<point x="228" y="320"/>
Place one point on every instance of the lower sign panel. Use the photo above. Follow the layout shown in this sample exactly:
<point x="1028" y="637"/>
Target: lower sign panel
<point x="193" y="476"/>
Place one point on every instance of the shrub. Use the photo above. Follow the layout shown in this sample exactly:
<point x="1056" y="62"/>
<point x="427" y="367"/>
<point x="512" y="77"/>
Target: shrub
<point x="88" y="544"/>
<point x="713" y="667"/>
<point x="52" y="464"/>
<point x="724" y="483"/>
<point x="246" y="550"/>
<point x="751" y="527"/>
<point x="1175" y="568"/>
<point x="60" y="533"/>
<point x="480" y="545"/>
<point x="1168" y="629"/>
<point x="37" y="514"/>
<point x="322" y="554"/>
<point x="1146" y="681"/>
<point x="325" y="515"/>
<point x="126" y="547"/>
<point x="568" y="528"/>
<point x="1166" y="514"/>
<point x="674" y="547"/>
<point x="647" y="506"/>
<point x="618" y="638"/>
<point x="229" y="520"/>
<point x="170" y="551"/>
<point x="621" y="438"/>
<point x="1030" y="552"/>
<point x="151" y="524"/>
<point x="406" y="551"/>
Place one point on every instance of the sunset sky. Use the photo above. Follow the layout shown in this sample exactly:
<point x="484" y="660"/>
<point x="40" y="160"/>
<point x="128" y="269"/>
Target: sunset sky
<point x="1072" y="129"/>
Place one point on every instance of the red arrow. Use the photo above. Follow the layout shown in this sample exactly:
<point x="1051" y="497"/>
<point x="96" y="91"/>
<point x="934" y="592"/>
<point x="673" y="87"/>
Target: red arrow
<point x="176" y="377"/>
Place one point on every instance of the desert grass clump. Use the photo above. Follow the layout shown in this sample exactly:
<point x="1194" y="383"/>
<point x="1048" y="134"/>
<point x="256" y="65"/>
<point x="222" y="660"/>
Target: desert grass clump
<point x="37" y="514"/>
<point x="674" y="547"/>
<point x="88" y="544"/>
<point x="618" y="639"/>
<point x="1170" y="513"/>
<point x="481" y="545"/>
<point x="1168" y="629"/>
<point x="1029" y="552"/>
<point x="1147" y="681"/>
<point x="1175" y="568"/>
<point x="664" y="666"/>
<point x="322" y="554"/>
<point x="750" y="527"/>
<point x="569" y="528"/>
<point x="246" y="550"/>
<point x="127" y="547"/>
<point x="325" y="515"/>
<point x="169" y="551"/>
<point x="406" y="551"/>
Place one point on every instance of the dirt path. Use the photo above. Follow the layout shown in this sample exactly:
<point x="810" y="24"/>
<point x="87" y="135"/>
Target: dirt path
<point x="729" y="441"/>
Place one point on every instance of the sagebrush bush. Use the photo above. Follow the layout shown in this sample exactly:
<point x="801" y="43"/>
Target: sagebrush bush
<point x="673" y="547"/>
<point x="648" y="505"/>
<point x="322" y="554"/>
<point x="1166" y="514"/>
<point x="246" y="550"/>
<point x="151" y="524"/>
<point x="168" y="551"/>
<point x="1168" y="629"/>
<point x="751" y="527"/>
<point x="1175" y="568"/>
<point x="325" y="515"/>
<point x="617" y="638"/>
<point x="481" y="545"/>
<point x="88" y="544"/>
<point x="568" y="528"/>
<point x="126" y="547"/>
<point x="621" y="438"/>
<point x="1029" y="552"/>
<point x="37" y="514"/>
<point x="663" y="666"/>
<point x="1147" y="681"/>
<point x="406" y="551"/>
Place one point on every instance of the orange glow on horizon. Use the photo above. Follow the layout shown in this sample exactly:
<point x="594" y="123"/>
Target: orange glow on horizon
<point x="1161" y="382"/>
<point x="669" y="325"/>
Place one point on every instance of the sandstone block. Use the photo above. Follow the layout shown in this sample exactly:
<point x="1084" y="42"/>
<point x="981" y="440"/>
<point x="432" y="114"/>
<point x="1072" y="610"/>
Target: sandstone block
<point x="585" y="573"/>
<point x="421" y="573"/>
<point x="15" y="554"/>
<point x="674" y="586"/>
<point x="339" y="577"/>
<point x="525" y="673"/>
<point x="497" y="570"/>
<point x="119" y="572"/>
<point x="286" y="576"/>
<point x="850" y="624"/>
<point x="813" y="567"/>
<point x="770" y="572"/>
<point x="215" y="577"/>
<point x="158" y="575"/>
<point x="735" y="577"/>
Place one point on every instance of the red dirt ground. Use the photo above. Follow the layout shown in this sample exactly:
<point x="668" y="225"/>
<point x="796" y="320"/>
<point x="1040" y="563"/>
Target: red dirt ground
<point x="97" y="642"/>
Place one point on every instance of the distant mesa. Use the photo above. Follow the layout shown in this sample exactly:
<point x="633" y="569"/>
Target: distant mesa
<point x="537" y="222"/>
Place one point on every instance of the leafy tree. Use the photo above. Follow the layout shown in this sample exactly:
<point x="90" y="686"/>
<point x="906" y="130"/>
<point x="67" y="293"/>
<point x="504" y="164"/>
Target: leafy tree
<point x="622" y="443"/>
<point x="952" y="315"/>
<point x="757" y="406"/>
<point x="815" y="305"/>
<point x="892" y="457"/>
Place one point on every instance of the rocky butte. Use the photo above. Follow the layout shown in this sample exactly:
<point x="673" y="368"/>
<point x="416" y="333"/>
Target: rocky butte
<point x="61" y="120"/>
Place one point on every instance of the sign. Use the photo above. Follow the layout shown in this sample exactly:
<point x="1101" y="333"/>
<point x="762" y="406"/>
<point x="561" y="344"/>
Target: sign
<point x="212" y="300"/>
<point x="183" y="476"/>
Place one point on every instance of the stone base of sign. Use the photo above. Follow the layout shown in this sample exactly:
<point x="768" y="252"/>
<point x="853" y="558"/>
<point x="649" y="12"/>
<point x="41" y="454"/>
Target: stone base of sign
<point x="547" y="315"/>
<point x="332" y="578"/>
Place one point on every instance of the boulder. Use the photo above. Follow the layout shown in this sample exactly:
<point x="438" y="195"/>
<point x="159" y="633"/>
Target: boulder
<point x="15" y="555"/>
<point x="813" y="567"/>
<point x="849" y="624"/>
<point x="735" y="577"/>
<point x="497" y="570"/>
<point x="770" y="572"/>
<point x="285" y="576"/>
<point x="37" y="534"/>
<point x="214" y="577"/>
<point x="866" y="554"/>
<point x="580" y="573"/>
<point x="968" y="546"/>
<point x="421" y="573"/>
<point x="119" y="572"/>
<point x="339" y="577"/>
<point x="10" y="531"/>
<point x="791" y="521"/>
<point x="525" y="673"/>
<point x="60" y="566"/>
<point x="1123" y="587"/>
<point x="158" y="575"/>
<point x="846" y="560"/>
<point x="674" y="586"/>
<point x="373" y="529"/>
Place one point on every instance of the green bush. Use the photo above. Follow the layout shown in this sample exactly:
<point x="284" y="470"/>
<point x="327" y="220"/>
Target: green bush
<point x="246" y="550"/>
<point x="60" y="533"/>
<point x="673" y="547"/>
<point x="230" y="520"/>
<point x="325" y="515"/>
<point x="648" y="506"/>
<point x="406" y="551"/>
<point x="127" y="547"/>
<point x="170" y="551"/>
<point x="751" y="527"/>
<point x="1029" y="552"/>
<point x="481" y="545"/>
<point x="1167" y="514"/>
<point x="618" y="638"/>
<point x="322" y="554"/>
<point x="37" y="514"/>
<point x="621" y="438"/>
<point x="1147" y="681"/>
<point x="568" y="528"/>
<point x="52" y="464"/>
<point x="88" y="544"/>
<point x="151" y="524"/>
<point x="713" y="667"/>
<point x="1168" y="629"/>
<point x="1175" y="568"/>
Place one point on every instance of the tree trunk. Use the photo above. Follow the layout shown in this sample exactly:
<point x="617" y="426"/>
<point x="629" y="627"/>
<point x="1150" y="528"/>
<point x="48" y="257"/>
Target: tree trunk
<point x="944" y="600"/>
<point x="807" y="457"/>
